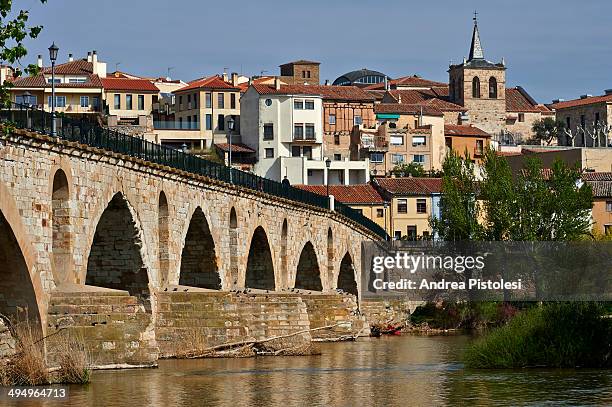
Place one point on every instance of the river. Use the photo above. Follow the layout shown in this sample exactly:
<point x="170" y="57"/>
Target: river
<point x="389" y="371"/>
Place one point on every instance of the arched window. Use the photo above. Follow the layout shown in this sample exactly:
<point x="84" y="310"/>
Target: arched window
<point x="476" y="87"/>
<point x="492" y="88"/>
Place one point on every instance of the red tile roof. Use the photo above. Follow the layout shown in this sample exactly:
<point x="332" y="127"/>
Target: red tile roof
<point x="516" y="101"/>
<point x="425" y="97"/>
<point x="462" y="130"/>
<point x="236" y="147"/>
<point x="348" y="194"/>
<point x="210" y="82"/>
<point x="301" y="61"/>
<point x="129" y="84"/>
<point x="403" y="108"/>
<point x="328" y="92"/>
<point x="77" y="67"/>
<point x="597" y="176"/>
<point x="582" y="102"/>
<point x="38" y="81"/>
<point x="601" y="189"/>
<point x="410" y="185"/>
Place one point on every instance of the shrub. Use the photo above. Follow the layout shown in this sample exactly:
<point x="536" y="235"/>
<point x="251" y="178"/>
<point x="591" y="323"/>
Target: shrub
<point x="553" y="335"/>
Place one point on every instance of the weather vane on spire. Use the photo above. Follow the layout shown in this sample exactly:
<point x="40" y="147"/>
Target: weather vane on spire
<point x="475" y="17"/>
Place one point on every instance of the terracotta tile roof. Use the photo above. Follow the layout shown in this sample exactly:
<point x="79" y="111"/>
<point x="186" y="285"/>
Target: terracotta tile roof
<point x="410" y="185"/>
<point x="328" y="92"/>
<point x="348" y="194"/>
<point x="236" y="147"/>
<point x="424" y="96"/>
<point x="546" y="173"/>
<point x="601" y="189"/>
<point x="597" y="176"/>
<point x="463" y="130"/>
<point x="38" y="81"/>
<point x="408" y="81"/>
<point x="582" y="102"/>
<point x="441" y="91"/>
<point x="403" y="108"/>
<point x="210" y="82"/>
<point x="76" y="67"/>
<point x="129" y="84"/>
<point x="517" y="102"/>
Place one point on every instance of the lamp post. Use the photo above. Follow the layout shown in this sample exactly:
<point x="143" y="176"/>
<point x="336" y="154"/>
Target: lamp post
<point x="184" y="148"/>
<point x="230" y="127"/>
<point x="26" y="101"/>
<point x="53" y="49"/>
<point x="385" y="206"/>
<point x="328" y="165"/>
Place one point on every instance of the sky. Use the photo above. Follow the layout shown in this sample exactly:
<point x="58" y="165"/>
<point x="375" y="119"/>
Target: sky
<point x="554" y="49"/>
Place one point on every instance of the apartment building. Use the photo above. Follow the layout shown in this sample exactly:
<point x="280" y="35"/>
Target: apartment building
<point x="413" y="202"/>
<point x="467" y="141"/>
<point x="404" y="133"/>
<point x="201" y="113"/>
<point x="284" y="125"/>
<point x="129" y="101"/>
<point x="78" y="86"/>
<point x="601" y="214"/>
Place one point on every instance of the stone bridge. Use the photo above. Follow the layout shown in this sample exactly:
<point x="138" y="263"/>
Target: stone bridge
<point x="89" y="238"/>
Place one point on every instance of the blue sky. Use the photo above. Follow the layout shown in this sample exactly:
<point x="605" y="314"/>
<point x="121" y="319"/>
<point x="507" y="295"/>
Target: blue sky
<point x="552" y="48"/>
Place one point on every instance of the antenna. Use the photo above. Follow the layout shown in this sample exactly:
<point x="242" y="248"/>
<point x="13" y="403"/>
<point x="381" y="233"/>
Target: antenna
<point x="117" y="66"/>
<point x="263" y="72"/>
<point x="170" y="68"/>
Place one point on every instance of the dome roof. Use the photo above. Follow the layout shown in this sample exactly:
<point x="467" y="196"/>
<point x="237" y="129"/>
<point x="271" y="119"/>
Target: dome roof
<point x="361" y="77"/>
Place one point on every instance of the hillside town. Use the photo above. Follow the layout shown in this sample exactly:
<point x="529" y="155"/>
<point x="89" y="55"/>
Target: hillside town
<point x="352" y="137"/>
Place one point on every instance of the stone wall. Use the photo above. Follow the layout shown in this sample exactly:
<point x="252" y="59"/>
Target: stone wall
<point x="7" y="342"/>
<point x="387" y="310"/>
<point x="198" y="319"/>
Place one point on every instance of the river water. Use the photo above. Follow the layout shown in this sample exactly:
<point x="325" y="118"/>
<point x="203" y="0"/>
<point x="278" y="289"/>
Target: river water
<point x="389" y="371"/>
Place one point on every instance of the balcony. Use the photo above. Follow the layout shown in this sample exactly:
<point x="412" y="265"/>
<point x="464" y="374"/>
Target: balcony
<point x="374" y="143"/>
<point x="300" y="138"/>
<point x="175" y="125"/>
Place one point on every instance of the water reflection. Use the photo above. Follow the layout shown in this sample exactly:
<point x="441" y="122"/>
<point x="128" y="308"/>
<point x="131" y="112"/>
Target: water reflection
<point x="396" y="371"/>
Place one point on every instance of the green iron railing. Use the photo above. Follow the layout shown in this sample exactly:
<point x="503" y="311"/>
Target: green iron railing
<point x="86" y="132"/>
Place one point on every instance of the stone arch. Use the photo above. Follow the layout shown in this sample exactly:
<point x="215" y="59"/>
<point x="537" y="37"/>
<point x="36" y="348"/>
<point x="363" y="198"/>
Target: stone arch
<point x="116" y="256"/>
<point x="476" y="87"/>
<point x="198" y="258"/>
<point x="284" y="272"/>
<point x="308" y="274"/>
<point x="163" y="236"/>
<point x="61" y="227"/>
<point x="19" y="299"/>
<point x="346" y="276"/>
<point x="233" y="246"/>
<point x="260" y="266"/>
<point x="492" y="88"/>
<point x="330" y="252"/>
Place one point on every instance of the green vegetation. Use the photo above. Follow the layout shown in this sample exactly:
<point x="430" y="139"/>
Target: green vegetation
<point x="546" y="130"/>
<point x="465" y="315"/>
<point x="553" y="335"/>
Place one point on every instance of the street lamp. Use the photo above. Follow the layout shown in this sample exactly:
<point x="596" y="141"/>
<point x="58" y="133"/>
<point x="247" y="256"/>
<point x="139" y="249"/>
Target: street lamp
<point x="184" y="148"/>
<point x="385" y="206"/>
<point x="328" y="165"/>
<point x="53" y="49"/>
<point x="230" y="127"/>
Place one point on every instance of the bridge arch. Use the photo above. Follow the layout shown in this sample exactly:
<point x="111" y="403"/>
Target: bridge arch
<point x="117" y="257"/>
<point x="199" y="266"/>
<point x="346" y="276"/>
<point x="163" y="236"/>
<point x="260" y="265"/>
<point x="61" y="227"/>
<point x="308" y="273"/>
<point x="330" y="253"/>
<point x="283" y="268"/>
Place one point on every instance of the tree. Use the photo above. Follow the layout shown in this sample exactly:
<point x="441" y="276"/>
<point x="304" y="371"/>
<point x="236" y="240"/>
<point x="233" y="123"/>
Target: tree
<point x="408" y="169"/>
<point x="458" y="205"/>
<point x="497" y="195"/>
<point x="546" y="130"/>
<point x="13" y="31"/>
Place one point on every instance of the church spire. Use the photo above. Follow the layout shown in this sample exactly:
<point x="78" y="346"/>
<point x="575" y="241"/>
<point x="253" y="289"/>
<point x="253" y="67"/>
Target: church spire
<point x="476" y="49"/>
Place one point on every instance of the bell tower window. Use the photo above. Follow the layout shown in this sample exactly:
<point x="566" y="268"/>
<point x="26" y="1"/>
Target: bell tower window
<point x="476" y="87"/>
<point x="492" y="88"/>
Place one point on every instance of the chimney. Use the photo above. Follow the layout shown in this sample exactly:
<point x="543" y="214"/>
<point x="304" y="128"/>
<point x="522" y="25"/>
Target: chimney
<point x="585" y="96"/>
<point x="386" y="83"/>
<point x="326" y="82"/>
<point x="399" y="98"/>
<point x="94" y="62"/>
<point x="234" y="78"/>
<point x="70" y="58"/>
<point x="39" y="62"/>
<point x="558" y="100"/>
<point x="225" y="78"/>
<point x="89" y="57"/>
<point x="608" y="92"/>
<point x="276" y="83"/>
